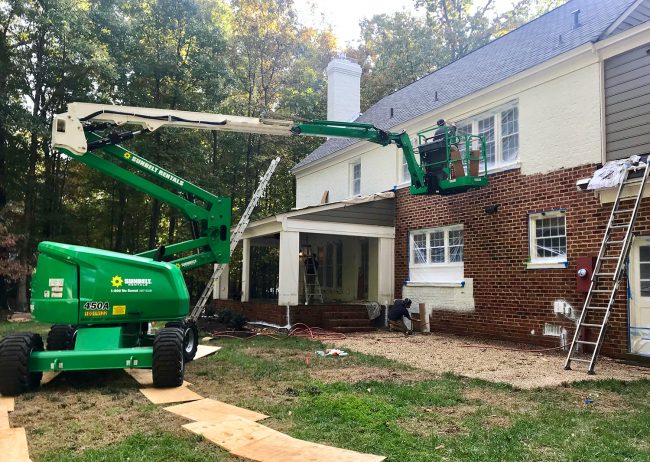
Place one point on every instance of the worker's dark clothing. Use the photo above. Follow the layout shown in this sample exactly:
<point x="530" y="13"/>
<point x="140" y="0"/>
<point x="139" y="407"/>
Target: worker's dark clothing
<point x="398" y="326"/>
<point x="398" y="311"/>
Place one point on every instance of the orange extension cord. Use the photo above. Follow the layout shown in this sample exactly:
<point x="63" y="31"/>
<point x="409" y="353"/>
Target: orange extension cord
<point x="297" y="330"/>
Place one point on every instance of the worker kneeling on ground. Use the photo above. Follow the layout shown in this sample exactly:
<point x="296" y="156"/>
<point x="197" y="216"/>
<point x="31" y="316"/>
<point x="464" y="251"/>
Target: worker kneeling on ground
<point x="396" y="315"/>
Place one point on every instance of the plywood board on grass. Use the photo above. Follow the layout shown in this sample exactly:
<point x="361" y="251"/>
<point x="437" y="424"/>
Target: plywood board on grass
<point x="232" y="432"/>
<point x="252" y="440"/>
<point x="170" y="395"/>
<point x="7" y="403"/>
<point x="205" y="350"/>
<point x="144" y="377"/>
<point x="208" y="410"/>
<point x="13" y="445"/>
<point x="48" y="377"/>
<point x="4" y="419"/>
<point x="280" y="450"/>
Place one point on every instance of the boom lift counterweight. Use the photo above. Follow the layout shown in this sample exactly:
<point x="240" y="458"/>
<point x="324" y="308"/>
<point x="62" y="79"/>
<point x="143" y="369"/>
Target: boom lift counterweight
<point x="101" y="302"/>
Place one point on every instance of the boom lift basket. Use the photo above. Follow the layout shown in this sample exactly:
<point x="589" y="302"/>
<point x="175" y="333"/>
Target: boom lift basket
<point x="452" y="161"/>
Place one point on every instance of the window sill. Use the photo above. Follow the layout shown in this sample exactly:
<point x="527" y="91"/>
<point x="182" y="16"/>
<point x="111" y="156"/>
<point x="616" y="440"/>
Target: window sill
<point x="547" y="265"/>
<point x="435" y="284"/>
<point x="502" y="168"/>
<point x="436" y="265"/>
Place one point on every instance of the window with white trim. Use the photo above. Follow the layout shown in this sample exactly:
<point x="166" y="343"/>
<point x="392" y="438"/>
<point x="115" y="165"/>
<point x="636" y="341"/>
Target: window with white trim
<point x="548" y="243"/>
<point x="500" y="127"/>
<point x="436" y="255"/>
<point x="355" y="178"/>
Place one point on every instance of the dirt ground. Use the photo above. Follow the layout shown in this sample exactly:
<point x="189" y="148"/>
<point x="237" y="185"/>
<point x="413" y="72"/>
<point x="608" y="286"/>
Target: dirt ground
<point x="441" y="353"/>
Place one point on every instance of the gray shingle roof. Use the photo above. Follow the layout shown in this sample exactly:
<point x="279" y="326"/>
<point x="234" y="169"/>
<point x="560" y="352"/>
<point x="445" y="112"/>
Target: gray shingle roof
<point x="525" y="47"/>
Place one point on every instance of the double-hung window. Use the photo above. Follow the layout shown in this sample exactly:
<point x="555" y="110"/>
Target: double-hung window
<point x="436" y="255"/>
<point x="355" y="178"/>
<point x="500" y="128"/>
<point x="548" y="241"/>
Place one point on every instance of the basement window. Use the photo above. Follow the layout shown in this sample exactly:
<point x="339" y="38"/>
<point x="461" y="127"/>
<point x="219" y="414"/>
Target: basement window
<point x="547" y="240"/>
<point x="552" y="330"/>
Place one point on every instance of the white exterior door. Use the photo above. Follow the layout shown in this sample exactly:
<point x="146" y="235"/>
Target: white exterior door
<point x="639" y="321"/>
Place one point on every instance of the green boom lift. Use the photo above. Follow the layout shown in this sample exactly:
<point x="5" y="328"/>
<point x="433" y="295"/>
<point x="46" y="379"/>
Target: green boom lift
<point x="101" y="302"/>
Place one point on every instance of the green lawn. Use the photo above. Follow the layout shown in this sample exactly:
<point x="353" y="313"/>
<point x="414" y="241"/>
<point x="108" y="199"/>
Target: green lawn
<point x="360" y="402"/>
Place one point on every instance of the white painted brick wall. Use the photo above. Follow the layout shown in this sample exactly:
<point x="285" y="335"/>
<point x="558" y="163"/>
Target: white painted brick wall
<point x="459" y="299"/>
<point x="343" y="90"/>
<point x="378" y="173"/>
<point x="559" y="122"/>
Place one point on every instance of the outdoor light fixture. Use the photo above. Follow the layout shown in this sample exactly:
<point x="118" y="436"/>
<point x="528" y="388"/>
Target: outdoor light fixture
<point x="492" y="209"/>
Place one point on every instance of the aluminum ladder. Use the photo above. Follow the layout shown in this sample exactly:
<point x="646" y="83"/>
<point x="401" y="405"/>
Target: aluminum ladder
<point x="609" y="269"/>
<point x="235" y="237"/>
<point x="312" y="285"/>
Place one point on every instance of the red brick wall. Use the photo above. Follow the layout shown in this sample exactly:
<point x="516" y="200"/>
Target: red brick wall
<point x="312" y="315"/>
<point x="511" y="300"/>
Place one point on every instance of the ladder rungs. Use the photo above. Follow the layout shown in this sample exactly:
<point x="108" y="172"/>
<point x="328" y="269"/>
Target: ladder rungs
<point x="604" y="274"/>
<point x="590" y="325"/>
<point x="609" y="258"/>
<point x="585" y="342"/>
<point x="602" y="291"/>
<point x="615" y="242"/>
<point x="623" y="211"/>
<point x="596" y="307"/>
<point x="620" y="226"/>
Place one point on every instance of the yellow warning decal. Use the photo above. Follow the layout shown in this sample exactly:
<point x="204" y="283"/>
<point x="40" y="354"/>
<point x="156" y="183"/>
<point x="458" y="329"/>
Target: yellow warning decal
<point x="119" y="310"/>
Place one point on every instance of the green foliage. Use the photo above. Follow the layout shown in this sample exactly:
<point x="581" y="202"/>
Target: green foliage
<point x="232" y="319"/>
<point x="402" y="47"/>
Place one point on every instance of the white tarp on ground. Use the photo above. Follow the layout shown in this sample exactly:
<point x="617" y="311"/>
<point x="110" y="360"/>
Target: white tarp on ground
<point x="611" y="174"/>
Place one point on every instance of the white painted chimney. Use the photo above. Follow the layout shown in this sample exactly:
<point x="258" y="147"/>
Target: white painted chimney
<point x="343" y="89"/>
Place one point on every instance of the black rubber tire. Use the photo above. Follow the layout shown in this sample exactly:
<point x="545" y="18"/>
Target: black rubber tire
<point x="61" y="337"/>
<point x="190" y="338"/>
<point x="15" y="350"/>
<point x="168" y="365"/>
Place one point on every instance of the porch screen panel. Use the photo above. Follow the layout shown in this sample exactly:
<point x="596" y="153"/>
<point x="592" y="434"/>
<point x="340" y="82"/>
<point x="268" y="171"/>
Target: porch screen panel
<point x="627" y="103"/>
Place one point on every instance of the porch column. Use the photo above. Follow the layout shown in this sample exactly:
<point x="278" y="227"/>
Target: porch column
<point x="245" y="270"/>
<point x="386" y="270"/>
<point x="289" y="268"/>
<point x="220" y="289"/>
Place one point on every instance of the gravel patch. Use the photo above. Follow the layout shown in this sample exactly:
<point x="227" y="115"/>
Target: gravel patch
<point x="439" y="353"/>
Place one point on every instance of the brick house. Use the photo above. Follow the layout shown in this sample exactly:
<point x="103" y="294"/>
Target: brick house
<point x="555" y="99"/>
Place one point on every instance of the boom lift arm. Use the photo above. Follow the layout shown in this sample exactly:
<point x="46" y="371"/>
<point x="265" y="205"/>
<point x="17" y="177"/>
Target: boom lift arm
<point x="76" y="133"/>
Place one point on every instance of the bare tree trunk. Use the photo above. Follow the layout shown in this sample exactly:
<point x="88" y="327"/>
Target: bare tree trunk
<point x="121" y="214"/>
<point x="153" y="225"/>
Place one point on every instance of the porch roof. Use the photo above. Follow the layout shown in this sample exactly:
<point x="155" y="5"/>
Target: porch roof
<point x="372" y="216"/>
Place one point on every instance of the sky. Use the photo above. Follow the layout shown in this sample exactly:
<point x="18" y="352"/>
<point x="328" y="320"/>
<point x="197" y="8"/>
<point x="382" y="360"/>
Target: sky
<point x="344" y="15"/>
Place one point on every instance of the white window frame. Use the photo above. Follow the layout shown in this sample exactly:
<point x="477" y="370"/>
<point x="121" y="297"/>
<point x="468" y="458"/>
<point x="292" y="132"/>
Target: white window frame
<point x="535" y="262"/>
<point x="496" y="112"/>
<point x="355" y="183"/>
<point x="403" y="173"/>
<point x="439" y="272"/>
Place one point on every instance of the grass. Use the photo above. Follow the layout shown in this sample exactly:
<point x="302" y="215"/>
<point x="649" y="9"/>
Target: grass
<point x="360" y="402"/>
